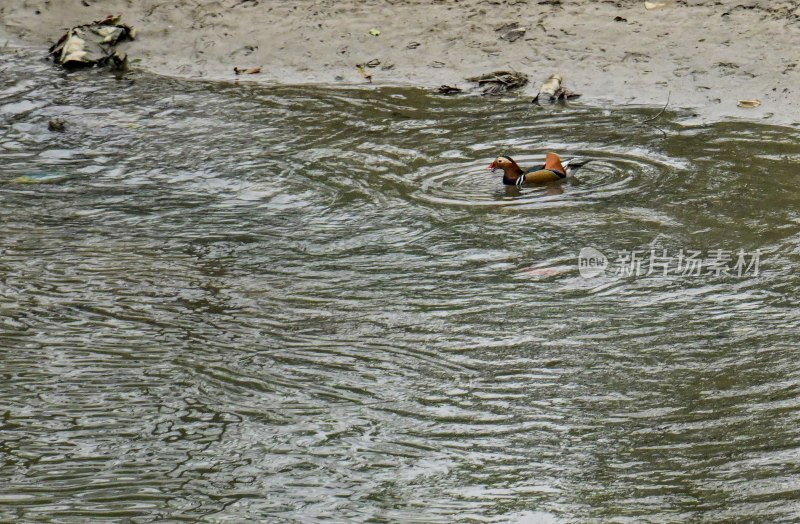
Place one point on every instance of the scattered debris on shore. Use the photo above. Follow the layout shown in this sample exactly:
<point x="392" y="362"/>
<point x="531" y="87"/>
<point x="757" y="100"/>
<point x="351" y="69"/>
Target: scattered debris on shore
<point x="499" y="82"/>
<point x="553" y="90"/>
<point x="93" y="44"/>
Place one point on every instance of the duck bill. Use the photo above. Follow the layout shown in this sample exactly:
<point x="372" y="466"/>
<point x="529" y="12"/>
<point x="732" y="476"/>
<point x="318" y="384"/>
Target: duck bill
<point x="492" y="166"/>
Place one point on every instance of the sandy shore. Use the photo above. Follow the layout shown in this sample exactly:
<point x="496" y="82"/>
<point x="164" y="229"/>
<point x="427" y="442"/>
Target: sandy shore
<point x="707" y="54"/>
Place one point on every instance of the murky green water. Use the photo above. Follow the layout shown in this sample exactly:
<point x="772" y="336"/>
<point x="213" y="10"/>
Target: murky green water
<point x="239" y="303"/>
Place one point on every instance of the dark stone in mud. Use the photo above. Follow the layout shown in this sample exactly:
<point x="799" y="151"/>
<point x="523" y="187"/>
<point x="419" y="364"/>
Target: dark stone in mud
<point x="57" y="125"/>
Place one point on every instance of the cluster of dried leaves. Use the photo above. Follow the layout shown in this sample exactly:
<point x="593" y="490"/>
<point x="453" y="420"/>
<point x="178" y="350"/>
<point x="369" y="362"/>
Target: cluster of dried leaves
<point x="93" y="44"/>
<point x="499" y="82"/>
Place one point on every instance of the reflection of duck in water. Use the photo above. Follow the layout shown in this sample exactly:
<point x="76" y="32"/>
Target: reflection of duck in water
<point x="552" y="170"/>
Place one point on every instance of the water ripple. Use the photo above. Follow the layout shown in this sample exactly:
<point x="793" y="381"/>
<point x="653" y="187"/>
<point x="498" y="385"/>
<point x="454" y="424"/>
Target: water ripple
<point x="237" y="302"/>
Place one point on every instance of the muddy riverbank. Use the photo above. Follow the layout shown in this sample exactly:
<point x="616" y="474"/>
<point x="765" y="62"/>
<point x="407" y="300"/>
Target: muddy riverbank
<point x="703" y="55"/>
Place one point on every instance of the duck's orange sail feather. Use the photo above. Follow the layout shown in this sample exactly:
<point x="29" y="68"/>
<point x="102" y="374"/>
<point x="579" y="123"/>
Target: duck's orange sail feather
<point x="553" y="161"/>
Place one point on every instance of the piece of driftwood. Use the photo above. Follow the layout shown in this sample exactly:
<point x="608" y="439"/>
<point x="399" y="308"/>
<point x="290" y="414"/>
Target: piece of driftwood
<point x="553" y="90"/>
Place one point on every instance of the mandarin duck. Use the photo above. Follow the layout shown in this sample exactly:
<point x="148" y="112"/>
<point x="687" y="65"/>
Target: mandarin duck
<point x="552" y="170"/>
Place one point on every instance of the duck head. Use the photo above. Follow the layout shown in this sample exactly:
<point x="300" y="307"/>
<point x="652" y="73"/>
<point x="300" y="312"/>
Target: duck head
<point x="507" y="164"/>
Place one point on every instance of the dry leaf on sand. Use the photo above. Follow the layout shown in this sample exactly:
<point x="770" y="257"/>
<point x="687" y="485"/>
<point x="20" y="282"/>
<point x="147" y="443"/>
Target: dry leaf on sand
<point x="655" y="5"/>
<point x="749" y="103"/>
<point x="246" y="70"/>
